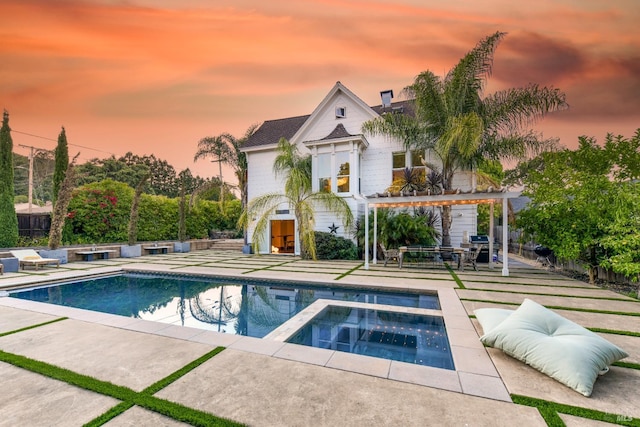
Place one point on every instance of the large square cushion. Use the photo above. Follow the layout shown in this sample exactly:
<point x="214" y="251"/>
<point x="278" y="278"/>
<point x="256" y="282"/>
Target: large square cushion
<point x="554" y="345"/>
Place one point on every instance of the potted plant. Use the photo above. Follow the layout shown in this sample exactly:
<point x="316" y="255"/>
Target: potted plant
<point x="59" y="215"/>
<point x="131" y="249"/>
<point x="182" y="245"/>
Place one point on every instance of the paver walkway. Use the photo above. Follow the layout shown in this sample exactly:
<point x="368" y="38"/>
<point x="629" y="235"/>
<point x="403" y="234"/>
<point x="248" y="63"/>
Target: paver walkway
<point x="265" y="382"/>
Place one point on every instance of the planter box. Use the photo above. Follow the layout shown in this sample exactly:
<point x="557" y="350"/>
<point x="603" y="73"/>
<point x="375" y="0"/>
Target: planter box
<point x="132" y="251"/>
<point x="181" y="247"/>
<point x="61" y="254"/>
<point x="10" y="264"/>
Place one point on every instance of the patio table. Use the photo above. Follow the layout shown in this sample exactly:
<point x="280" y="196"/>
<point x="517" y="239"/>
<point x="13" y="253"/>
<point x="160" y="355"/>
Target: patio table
<point x="431" y="252"/>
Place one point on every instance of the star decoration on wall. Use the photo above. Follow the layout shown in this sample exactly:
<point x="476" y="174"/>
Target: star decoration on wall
<point x="333" y="228"/>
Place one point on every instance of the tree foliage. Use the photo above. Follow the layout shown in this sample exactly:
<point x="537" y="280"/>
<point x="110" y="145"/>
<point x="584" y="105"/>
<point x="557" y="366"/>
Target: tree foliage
<point x="61" y="159"/>
<point x="226" y="149"/>
<point x="63" y="198"/>
<point x="100" y="213"/>
<point x="584" y="204"/>
<point x="163" y="178"/>
<point x="454" y="121"/>
<point x="8" y="218"/>
<point x="403" y="228"/>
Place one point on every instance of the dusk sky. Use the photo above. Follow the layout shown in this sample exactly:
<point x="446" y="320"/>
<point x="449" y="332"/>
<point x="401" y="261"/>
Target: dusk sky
<point x="155" y="76"/>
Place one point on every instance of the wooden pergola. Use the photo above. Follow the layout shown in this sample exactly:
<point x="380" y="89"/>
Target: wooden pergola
<point x="413" y="200"/>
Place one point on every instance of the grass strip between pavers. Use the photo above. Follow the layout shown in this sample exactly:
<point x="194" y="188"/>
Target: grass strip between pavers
<point x="558" y="307"/>
<point x="456" y="278"/>
<point x="349" y="271"/>
<point x="615" y="332"/>
<point x="628" y="365"/>
<point x="267" y="267"/>
<point x="33" y="326"/>
<point x="503" y="291"/>
<point x="549" y="411"/>
<point x="126" y="395"/>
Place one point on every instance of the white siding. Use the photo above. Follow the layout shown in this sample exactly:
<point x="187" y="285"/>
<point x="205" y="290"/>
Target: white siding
<point x="373" y="173"/>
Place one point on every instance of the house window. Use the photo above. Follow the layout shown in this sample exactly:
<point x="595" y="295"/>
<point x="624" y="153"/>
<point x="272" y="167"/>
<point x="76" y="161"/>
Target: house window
<point x="419" y="169"/>
<point x="324" y="172"/>
<point x="411" y="159"/>
<point x="399" y="163"/>
<point x="334" y="172"/>
<point x="341" y="112"/>
<point x="342" y="171"/>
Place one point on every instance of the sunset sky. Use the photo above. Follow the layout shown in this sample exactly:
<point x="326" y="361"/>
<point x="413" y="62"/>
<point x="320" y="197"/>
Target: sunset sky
<point x="155" y="76"/>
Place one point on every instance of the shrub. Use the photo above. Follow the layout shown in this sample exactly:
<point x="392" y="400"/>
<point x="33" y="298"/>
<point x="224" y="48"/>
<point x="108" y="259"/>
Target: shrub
<point x="330" y="246"/>
<point x="99" y="212"/>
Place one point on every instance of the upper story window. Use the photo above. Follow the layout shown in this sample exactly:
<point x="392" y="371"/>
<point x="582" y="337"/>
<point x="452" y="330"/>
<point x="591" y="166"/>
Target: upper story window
<point x="407" y="159"/>
<point x="334" y="172"/>
<point x="342" y="171"/>
<point x="341" y="112"/>
<point x="324" y="172"/>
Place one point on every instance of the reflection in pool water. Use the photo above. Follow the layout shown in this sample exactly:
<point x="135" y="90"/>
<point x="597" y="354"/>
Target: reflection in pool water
<point x="243" y="307"/>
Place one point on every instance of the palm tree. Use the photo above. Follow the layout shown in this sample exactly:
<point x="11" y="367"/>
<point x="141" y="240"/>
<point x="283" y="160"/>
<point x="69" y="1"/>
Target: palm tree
<point x="460" y="127"/>
<point x="238" y="161"/>
<point x="218" y="148"/>
<point x="298" y="194"/>
<point x="225" y="149"/>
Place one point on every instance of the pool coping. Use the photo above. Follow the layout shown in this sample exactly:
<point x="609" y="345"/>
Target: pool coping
<point x="474" y="374"/>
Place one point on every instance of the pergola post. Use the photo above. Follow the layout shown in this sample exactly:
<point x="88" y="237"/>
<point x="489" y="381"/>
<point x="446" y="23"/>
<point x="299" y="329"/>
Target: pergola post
<point x="375" y="234"/>
<point x="366" y="236"/>
<point x="491" y="237"/>
<point x="505" y="238"/>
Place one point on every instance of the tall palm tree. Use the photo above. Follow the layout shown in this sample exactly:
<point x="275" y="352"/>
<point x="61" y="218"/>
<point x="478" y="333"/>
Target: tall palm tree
<point x="225" y="149"/>
<point x="298" y="194"/>
<point x="218" y="148"/>
<point x="460" y="127"/>
<point x="238" y="160"/>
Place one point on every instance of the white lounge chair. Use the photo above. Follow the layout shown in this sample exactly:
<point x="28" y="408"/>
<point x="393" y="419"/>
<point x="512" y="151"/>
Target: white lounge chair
<point x="31" y="257"/>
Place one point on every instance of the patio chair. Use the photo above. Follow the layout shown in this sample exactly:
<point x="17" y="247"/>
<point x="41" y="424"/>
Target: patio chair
<point x="31" y="257"/>
<point x="449" y="256"/>
<point x="471" y="257"/>
<point x="389" y="254"/>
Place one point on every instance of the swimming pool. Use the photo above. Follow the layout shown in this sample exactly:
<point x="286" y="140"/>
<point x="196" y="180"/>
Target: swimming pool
<point x="257" y="308"/>
<point x="235" y="306"/>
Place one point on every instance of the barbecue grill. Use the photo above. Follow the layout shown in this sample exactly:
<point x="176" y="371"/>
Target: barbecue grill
<point x="543" y="255"/>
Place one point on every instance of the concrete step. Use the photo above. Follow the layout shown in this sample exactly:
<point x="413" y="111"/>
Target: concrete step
<point x="227" y="245"/>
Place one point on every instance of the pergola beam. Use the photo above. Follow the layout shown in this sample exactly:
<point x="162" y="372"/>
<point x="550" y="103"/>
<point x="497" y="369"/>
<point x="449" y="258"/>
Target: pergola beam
<point x="490" y="197"/>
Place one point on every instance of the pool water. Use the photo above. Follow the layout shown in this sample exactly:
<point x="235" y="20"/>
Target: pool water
<point x="411" y="338"/>
<point x="234" y="306"/>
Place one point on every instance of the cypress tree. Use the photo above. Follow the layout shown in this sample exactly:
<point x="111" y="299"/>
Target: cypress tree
<point x="8" y="218"/>
<point x="61" y="163"/>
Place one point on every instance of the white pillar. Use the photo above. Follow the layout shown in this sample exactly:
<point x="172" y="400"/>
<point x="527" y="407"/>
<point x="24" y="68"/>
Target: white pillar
<point x="366" y="236"/>
<point x="375" y="234"/>
<point x="505" y="237"/>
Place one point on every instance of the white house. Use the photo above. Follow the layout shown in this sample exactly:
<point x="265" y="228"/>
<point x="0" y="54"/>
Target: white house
<point x="344" y="161"/>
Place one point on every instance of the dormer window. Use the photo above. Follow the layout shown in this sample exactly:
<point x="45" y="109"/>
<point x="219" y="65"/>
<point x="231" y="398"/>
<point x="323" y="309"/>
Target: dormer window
<point x="341" y="112"/>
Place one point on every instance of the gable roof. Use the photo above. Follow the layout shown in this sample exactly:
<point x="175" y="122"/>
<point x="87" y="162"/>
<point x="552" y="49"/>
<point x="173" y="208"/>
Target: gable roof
<point x="338" y="132"/>
<point x="270" y="132"/>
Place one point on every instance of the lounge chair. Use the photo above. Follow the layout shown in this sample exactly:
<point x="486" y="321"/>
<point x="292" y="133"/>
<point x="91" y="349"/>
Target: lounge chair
<point x="31" y="257"/>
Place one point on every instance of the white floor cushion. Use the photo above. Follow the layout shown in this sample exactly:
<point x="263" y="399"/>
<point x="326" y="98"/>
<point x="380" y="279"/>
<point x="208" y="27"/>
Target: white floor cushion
<point x="554" y="345"/>
<point x="489" y="318"/>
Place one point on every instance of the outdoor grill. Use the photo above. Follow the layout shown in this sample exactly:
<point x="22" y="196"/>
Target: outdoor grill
<point x="543" y="255"/>
<point x="482" y="243"/>
<point x="479" y="240"/>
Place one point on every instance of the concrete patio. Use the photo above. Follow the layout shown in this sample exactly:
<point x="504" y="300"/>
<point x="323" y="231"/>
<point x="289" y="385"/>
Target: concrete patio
<point x="267" y="382"/>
